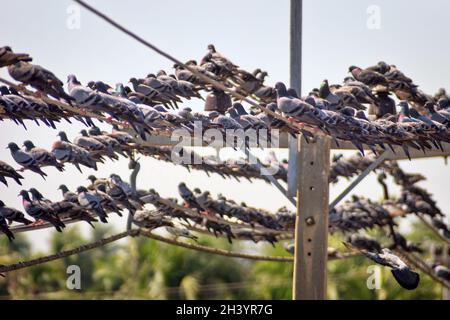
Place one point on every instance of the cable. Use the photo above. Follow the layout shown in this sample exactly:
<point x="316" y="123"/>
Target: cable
<point x="213" y="82"/>
<point x="63" y="254"/>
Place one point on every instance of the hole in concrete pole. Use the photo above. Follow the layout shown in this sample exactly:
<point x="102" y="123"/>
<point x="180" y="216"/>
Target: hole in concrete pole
<point x="309" y="254"/>
<point x="309" y="240"/>
<point x="311" y="188"/>
<point x="311" y="163"/>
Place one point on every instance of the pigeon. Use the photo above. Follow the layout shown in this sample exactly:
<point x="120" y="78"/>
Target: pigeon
<point x="364" y="242"/>
<point x="96" y="182"/>
<point x="37" y="197"/>
<point x="90" y="201"/>
<point x="94" y="145"/>
<point x="70" y="210"/>
<point x="181" y="232"/>
<point x="40" y="211"/>
<point x="11" y="214"/>
<point x="8" y="57"/>
<point x="39" y="78"/>
<point x="5" y="229"/>
<point x="405" y="277"/>
<point x="189" y="197"/>
<point x="116" y="180"/>
<point x="42" y="156"/>
<point x="86" y="97"/>
<point x="65" y="151"/>
<point x="381" y="67"/>
<point x="368" y="77"/>
<point x="106" y="201"/>
<point x="118" y="195"/>
<point x="289" y="247"/>
<point x="442" y="272"/>
<point x="68" y="195"/>
<point x="6" y="171"/>
<point x="108" y="141"/>
<point x="25" y="159"/>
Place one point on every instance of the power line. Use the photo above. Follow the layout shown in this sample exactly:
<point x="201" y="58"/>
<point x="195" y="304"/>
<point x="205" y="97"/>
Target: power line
<point x="213" y="82"/>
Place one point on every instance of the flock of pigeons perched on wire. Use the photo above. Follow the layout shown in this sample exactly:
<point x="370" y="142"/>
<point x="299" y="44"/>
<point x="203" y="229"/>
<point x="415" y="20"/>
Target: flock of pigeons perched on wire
<point x="422" y="123"/>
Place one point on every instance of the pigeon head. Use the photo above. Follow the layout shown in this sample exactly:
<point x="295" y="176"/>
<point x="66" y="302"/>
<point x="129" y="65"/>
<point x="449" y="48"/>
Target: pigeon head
<point x="348" y="111"/>
<point x="2" y="204"/>
<point x="182" y="184"/>
<point x="211" y="48"/>
<point x="81" y="189"/>
<point x="151" y="75"/>
<point x="349" y="79"/>
<point x="161" y="73"/>
<point x="4" y="90"/>
<point x="197" y="190"/>
<point x="72" y="79"/>
<point x="92" y="178"/>
<point x="95" y="131"/>
<point x="272" y="106"/>
<point x="239" y="108"/>
<point x="281" y="89"/>
<point x="36" y="194"/>
<point x="311" y="100"/>
<point x="84" y="133"/>
<point x="115" y="177"/>
<point x="101" y="86"/>
<point x="232" y="112"/>
<point x="134" y="82"/>
<point x="28" y="145"/>
<point x="24" y="194"/>
<point x="63" y="136"/>
<point x="351" y="69"/>
<point x="91" y="84"/>
<point x="12" y="146"/>
<point x="102" y="188"/>
<point x="63" y="188"/>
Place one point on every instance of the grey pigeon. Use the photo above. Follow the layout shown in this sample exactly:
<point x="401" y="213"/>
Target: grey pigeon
<point x="9" y="172"/>
<point x="39" y="78"/>
<point x="40" y="211"/>
<point x="25" y="159"/>
<point x="11" y="214"/>
<point x="42" y="156"/>
<point x="91" y="202"/>
<point x="405" y="277"/>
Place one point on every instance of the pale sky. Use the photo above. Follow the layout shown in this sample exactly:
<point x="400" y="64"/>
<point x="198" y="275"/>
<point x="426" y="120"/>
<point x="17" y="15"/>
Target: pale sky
<point x="252" y="34"/>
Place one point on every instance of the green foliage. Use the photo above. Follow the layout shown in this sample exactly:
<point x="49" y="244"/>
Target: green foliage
<point x="141" y="268"/>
